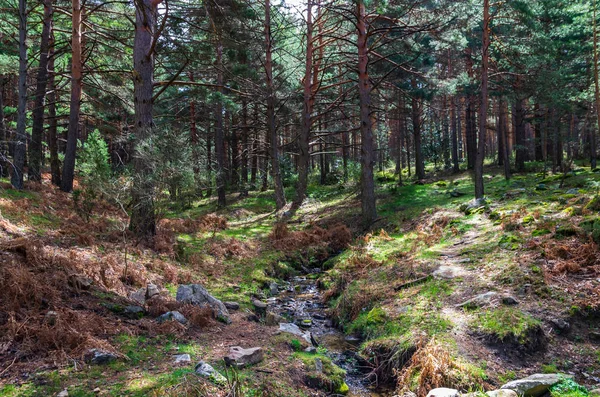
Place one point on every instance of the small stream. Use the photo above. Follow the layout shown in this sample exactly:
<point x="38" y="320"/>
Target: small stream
<point x="302" y="300"/>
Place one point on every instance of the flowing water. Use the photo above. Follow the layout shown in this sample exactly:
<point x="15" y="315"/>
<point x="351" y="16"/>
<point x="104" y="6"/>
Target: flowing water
<point x="302" y="300"/>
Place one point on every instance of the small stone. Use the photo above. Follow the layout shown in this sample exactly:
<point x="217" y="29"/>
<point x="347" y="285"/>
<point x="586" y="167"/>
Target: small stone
<point x="183" y="359"/>
<point x="170" y="316"/>
<point x="151" y="290"/>
<point x="260" y="307"/>
<point x="318" y="365"/>
<point x="502" y="393"/>
<point x="99" y="357"/>
<point x="443" y="392"/>
<point x="134" y="312"/>
<point x="273" y="289"/>
<point x="139" y="296"/>
<point x="353" y="339"/>
<point x="253" y="318"/>
<point x="63" y="393"/>
<point x="478" y="301"/>
<point x="240" y="357"/>
<point x="293" y="329"/>
<point x="573" y="191"/>
<point x="560" y="325"/>
<point x="509" y="300"/>
<point x="207" y="371"/>
<point x="541" y="186"/>
<point x="272" y="319"/>
<point x="305" y="323"/>
<point x="311" y="350"/>
<point x="51" y="317"/>
<point x="594" y="393"/>
<point x="232" y="305"/>
<point x="96" y="390"/>
<point x="319" y="316"/>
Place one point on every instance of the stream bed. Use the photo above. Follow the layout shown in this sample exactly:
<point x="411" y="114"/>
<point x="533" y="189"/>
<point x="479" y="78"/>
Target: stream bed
<point x="302" y="300"/>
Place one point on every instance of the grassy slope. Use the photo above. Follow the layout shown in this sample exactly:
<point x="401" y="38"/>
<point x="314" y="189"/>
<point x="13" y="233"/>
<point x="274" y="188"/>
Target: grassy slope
<point x="519" y="247"/>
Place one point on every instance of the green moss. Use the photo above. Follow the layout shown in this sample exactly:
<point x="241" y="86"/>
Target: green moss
<point x="568" y="388"/>
<point x="594" y="204"/>
<point x="510" y="241"/>
<point x="330" y="379"/>
<point x="505" y="323"/>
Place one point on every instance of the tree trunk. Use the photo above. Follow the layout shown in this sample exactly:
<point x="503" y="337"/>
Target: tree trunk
<point x="37" y="131"/>
<point x="416" y="120"/>
<point x="303" y="140"/>
<point x="219" y="133"/>
<point x="143" y="222"/>
<point x="271" y="127"/>
<point x="503" y="135"/>
<point x="367" y="160"/>
<point x="596" y="95"/>
<point x="52" y="121"/>
<point x="520" y="135"/>
<point x="245" y="148"/>
<point x="4" y="163"/>
<point x="21" y="138"/>
<point x="479" y="186"/>
<point x="194" y="135"/>
<point x="68" y="172"/>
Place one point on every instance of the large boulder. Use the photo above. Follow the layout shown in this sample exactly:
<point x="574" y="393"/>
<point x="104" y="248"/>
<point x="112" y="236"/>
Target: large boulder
<point x="99" y="357"/>
<point x="240" y="357"/>
<point x="293" y="329"/>
<point x="534" y="385"/>
<point x="196" y="294"/>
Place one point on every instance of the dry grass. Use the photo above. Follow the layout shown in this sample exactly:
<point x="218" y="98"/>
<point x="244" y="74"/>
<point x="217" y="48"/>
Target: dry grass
<point x="336" y="238"/>
<point x="572" y="256"/>
<point x="433" y="366"/>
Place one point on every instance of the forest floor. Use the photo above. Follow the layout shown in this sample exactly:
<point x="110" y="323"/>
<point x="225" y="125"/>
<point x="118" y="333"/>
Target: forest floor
<point x="439" y="292"/>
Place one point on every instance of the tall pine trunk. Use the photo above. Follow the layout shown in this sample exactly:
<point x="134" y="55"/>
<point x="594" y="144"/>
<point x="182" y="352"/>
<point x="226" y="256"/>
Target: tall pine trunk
<point x="37" y="130"/>
<point x="271" y="127"/>
<point x="143" y="222"/>
<point x="52" y="121"/>
<point x="596" y="94"/>
<point x="68" y="171"/>
<point x="4" y="163"/>
<point x="479" y="186"/>
<point x="21" y="138"/>
<point x="367" y="160"/>
<point x="303" y="141"/>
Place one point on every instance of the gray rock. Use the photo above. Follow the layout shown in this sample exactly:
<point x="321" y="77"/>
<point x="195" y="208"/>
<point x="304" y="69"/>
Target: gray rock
<point x="183" y="359"/>
<point x="99" y="357"/>
<point x="509" y="300"/>
<point x="64" y="393"/>
<point x="273" y="289"/>
<point x="534" y="385"/>
<point x="595" y="393"/>
<point x="260" y="307"/>
<point x="560" y="324"/>
<point x="206" y="370"/>
<point x="51" y="317"/>
<point x="541" y="186"/>
<point x="319" y="316"/>
<point x="293" y="329"/>
<point x="196" y="294"/>
<point x="478" y="301"/>
<point x="139" y="296"/>
<point x="304" y="323"/>
<point x="273" y="319"/>
<point x="449" y="272"/>
<point x="151" y="290"/>
<point x="134" y="312"/>
<point x="353" y="339"/>
<point x="232" y="305"/>
<point x="443" y="392"/>
<point x="170" y="316"/>
<point x="573" y="191"/>
<point x="502" y="393"/>
<point x="318" y="365"/>
<point x="240" y="357"/>
<point x="311" y="350"/>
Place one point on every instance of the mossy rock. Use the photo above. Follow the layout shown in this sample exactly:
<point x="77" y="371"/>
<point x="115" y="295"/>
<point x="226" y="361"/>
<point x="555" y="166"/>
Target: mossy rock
<point x="326" y="377"/>
<point x="540" y="232"/>
<point x="528" y="219"/>
<point x="564" y="231"/>
<point x="508" y="327"/>
<point x="594" y="204"/>
<point x="592" y="228"/>
<point x="510" y="241"/>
